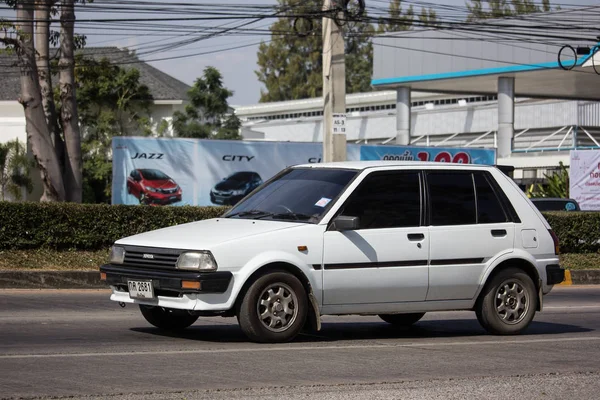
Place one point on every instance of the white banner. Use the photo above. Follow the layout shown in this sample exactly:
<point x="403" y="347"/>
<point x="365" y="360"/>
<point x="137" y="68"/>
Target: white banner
<point x="218" y="172"/>
<point x="584" y="177"/>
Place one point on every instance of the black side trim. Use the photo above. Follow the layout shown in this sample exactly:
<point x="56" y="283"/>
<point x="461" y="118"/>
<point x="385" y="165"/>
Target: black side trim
<point x="387" y="264"/>
<point x="211" y="282"/>
<point x="554" y="274"/>
<point x="317" y="267"/>
<point x="457" y="261"/>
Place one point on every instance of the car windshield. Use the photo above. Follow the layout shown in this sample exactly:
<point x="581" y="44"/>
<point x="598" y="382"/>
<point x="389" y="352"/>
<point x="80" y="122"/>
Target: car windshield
<point x="240" y="176"/>
<point x="153" y="175"/>
<point x="300" y="195"/>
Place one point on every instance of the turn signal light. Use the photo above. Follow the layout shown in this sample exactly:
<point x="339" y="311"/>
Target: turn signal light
<point x="102" y="276"/>
<point x="190" y="285"/>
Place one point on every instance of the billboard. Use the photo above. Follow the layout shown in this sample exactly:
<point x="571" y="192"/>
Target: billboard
<point x="165" y="171"/>
<point x="437" y="154"/>
<point x="584" y="178"/>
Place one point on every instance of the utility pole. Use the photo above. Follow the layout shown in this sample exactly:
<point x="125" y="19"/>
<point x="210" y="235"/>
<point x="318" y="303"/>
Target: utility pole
<point x="334" y="85"/>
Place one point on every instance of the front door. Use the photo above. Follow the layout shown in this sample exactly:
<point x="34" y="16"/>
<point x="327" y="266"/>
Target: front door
<point x="386" y="259"/>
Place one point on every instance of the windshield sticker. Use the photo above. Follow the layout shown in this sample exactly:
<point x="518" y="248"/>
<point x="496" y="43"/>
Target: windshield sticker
<point x="570" y="207"/>
<point x="323" y="202"/>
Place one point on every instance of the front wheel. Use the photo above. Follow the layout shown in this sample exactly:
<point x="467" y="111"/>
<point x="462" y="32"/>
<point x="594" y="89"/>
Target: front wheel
<point x="274" y="308"/>
<point x="167" y="318"/>
<point x="401" y="319"/>
<point x="508" y="303"/>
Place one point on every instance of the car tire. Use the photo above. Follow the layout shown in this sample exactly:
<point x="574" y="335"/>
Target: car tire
<point x="273" y="309"/>
<point x="401" y="319"/>
<point x="169" y="319"/>
<point x="508" y="303"/>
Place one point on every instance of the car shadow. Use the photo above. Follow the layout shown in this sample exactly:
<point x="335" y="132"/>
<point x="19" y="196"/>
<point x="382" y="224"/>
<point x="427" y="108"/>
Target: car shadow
<point x="340" y="331"/>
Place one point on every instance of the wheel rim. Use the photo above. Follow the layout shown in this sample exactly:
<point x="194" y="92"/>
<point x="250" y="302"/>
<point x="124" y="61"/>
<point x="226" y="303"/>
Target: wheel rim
<point x="512" y="302"/>
<point x="277" y="308"/>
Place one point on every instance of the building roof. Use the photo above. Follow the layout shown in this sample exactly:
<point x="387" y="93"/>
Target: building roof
<point x="457" y="61"/>
<point x="162" y="86"/>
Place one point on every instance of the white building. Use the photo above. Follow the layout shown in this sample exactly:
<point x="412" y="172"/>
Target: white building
<point x="440" y="87"/>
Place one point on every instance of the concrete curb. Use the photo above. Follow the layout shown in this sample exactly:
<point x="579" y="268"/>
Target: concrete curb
<point x="24" y="279"/>
<point x="51" y="280"/>
<point x="582" y="277"/>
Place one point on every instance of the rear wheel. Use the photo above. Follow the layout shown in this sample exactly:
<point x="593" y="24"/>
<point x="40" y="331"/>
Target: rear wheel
<point x="167" y="318"/>
<point x="274" y="308"/>
<point x="508" y="303"/>
<point x="401" y="319"/>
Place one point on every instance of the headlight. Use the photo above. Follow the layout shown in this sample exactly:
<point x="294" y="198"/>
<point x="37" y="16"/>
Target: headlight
<point x="151" y="189"/>
<point x="117" y="255"/>
<point x="197" y="261"/>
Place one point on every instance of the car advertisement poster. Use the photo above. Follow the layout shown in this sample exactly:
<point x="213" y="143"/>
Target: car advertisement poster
<point x="437" y="154"/>
<point x="165" y="171"/>
<point x="584" y="178"/>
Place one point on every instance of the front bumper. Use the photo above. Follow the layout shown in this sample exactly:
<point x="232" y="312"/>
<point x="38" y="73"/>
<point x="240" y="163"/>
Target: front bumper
<point x="554" y="274"/>
<point x="167" y="282"/>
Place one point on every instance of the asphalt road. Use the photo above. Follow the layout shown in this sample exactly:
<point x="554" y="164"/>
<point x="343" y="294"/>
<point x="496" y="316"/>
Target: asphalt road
<point x="78" y="344"/>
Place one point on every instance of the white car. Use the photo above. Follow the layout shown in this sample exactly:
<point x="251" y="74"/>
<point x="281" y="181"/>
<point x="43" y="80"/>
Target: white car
<point x="394" y="239"/>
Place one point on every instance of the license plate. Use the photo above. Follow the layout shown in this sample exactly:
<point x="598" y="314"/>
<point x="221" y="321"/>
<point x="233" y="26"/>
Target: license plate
<point x="140" y="289"/>
<point x="173" y="198"/>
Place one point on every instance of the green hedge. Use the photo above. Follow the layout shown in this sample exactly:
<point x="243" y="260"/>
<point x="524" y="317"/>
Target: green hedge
<point x="96" y="226"/>
<point x="86" y="226"/>
<point x="578" y="232"/>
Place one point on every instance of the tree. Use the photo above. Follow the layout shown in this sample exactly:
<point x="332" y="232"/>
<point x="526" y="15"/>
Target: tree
<point x="399" y="20"/>
<point x="14" y="170"/>
<point x="112" y="102"/>
<point x="290" y="66"/>
<point x="208" y="114"/>
<point x="58" y="158"/>
<point x="504" y="8"/>
<point x="556" y="185"/>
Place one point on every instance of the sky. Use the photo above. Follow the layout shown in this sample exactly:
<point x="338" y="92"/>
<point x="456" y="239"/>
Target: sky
<point x="237" y="65"/>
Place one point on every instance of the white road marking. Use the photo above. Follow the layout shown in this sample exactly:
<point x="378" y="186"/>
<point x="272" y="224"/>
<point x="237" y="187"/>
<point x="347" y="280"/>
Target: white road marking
<point x="263" y="349"/>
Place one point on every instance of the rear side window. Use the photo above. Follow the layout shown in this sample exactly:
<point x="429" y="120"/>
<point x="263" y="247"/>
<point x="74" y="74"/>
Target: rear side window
<point x="489" y="208"/>
<point x="386" y="200"/>
<point x="452" y="198"/>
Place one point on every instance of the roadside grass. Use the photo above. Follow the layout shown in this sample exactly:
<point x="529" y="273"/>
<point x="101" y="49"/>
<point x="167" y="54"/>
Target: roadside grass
<point x="580" y="261"/>
<point x="40" y="259"/>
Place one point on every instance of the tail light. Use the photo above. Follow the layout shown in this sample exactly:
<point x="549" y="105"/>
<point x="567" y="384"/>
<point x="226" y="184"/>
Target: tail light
<point x="555" y="239"/>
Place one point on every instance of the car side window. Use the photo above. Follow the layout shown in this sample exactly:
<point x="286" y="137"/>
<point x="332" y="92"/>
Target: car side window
<point x="489" y="208"/>
<point x="386" y="200"/>
<point x="452" y="198"/>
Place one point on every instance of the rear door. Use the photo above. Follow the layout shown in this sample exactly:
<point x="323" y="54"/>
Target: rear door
<point x="385" y="260"/>
<point x="469" y="227"/>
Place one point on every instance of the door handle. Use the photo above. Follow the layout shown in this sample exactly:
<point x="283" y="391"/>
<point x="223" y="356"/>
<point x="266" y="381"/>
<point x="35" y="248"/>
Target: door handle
<point x="415" y="237"/>
<point x="498" y="232"/>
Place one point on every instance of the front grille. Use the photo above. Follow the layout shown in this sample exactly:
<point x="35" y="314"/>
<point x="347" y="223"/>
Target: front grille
<point x="169" y="191"/>
<point x="151" y="257"/>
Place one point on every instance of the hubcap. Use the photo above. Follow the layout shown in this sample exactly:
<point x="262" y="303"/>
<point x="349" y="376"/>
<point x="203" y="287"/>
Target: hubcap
<point x="512" y="302"/>
<point x="277" y="308"/>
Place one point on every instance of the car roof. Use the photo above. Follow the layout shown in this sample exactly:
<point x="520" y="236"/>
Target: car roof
<point x="362" y="165"/>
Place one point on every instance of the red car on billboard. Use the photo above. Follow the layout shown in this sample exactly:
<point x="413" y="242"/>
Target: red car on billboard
<point x="151" y="186"/>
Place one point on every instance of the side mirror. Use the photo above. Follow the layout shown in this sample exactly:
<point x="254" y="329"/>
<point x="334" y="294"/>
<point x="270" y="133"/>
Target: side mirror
<point x="345" y="223"/>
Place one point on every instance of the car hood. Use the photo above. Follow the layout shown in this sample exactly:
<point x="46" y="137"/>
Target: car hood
<point x="230" y="185"/>
<point x="161" y="183"/>
<point x="203" y="235"/>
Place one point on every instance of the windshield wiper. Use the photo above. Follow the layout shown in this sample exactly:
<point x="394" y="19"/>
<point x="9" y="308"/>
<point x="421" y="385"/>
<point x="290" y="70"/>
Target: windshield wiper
<point x="255" y="213"/>
<point x="292" y="215"/>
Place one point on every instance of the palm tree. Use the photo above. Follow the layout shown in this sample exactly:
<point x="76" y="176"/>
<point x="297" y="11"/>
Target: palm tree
<point x="15" y="166"/>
